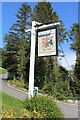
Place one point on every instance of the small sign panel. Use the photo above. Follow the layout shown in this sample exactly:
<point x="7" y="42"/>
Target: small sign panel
<point x="47" y="42"/>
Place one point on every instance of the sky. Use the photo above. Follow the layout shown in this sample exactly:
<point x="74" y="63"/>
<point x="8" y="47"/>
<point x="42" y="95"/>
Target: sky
<point x="67" y="12"/>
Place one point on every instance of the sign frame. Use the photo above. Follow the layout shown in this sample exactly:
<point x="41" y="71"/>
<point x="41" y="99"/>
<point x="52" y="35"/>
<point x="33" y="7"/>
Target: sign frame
<point x="56" y="44"/>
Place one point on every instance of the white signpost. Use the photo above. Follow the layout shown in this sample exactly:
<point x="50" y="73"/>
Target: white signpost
<point x="51" y="48"/>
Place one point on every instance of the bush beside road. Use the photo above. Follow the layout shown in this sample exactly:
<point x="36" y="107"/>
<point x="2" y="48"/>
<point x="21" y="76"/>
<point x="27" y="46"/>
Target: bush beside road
<point x="3" y="71"/>
<point x="5" y="75"/>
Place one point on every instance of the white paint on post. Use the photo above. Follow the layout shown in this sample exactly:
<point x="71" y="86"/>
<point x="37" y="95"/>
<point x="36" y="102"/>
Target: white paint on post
<point x="32" y="60"/>
<point x="28" y="30"/>
<point x="46" y="26"/>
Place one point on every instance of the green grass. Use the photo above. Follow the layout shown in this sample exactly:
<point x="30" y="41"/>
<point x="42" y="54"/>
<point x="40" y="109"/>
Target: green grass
<point x="11" y="104"/>
<point x="0" y="102"/>
<point x="0" y="97"/>
<point x="3" y="71"/>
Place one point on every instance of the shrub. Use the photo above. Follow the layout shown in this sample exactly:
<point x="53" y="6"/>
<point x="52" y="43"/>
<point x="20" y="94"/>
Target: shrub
<point x="3" y="71"/>
<point x="59" y="90"/>
<point x="43" y="107"/>
<point x="26" y="86"/>
<point x="12" y="114"/>
<point x="19" y="83"/>
<point x="14" y="78"/>
<point x="60" y="96"/>
<point x="48" y="88"/>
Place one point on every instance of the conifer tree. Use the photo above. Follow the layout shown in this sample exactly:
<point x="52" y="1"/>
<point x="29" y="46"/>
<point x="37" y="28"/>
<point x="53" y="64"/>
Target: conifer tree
<point x="22" y="23"/>
<point x="75" y="46"/>
<point x="17" y="35"/>
<point x="9" y="55"/>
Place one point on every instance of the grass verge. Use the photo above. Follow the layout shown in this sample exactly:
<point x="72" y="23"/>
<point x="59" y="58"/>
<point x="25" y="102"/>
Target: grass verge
<point x="13" y="108"/>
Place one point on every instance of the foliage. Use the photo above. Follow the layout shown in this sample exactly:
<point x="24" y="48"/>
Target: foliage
<point x="1" y="50"/>
<point x="9" y="53"/>
<point x="62" y="91"/>
<point x="75" y="38"/>
<point x="14" y="78"/>
<point x="3" y="71"/>
<point x="63" y="73"/>
<point x="16" y="43"/>
<point x="37" y="107"/>
<point x="0" y="103"/>
<point x="59" y="91"/>
<point x="12" y="114"/>
<point x="23" y="16"/>
<point x="40" y="72"/>
<point x="26" y="86"/>
<point x="43" y="107"/>
<point x="77" y="69"/>
<point x="17" y="83"/>
<point x="58" y="88"/>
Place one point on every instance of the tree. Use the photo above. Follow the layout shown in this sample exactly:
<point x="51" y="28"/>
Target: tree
<point x="9" y="55"/>
<point x="1" y="51"/>
<point x="75" y="46"/>
<point x="17" y="35"/>
<point x="43" y="12"/>
<point x="75" y="38"/>
<point x="40" y="72"/>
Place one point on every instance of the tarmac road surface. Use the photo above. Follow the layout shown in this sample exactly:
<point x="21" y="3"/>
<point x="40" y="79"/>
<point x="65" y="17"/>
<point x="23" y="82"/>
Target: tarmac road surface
<point x="69" y="110"/>
<point x="12" y="92"/>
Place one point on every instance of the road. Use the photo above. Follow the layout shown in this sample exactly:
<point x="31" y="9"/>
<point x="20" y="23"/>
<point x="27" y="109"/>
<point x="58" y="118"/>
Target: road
<point x="69" y="111"/>
<point x="12" y="92"/>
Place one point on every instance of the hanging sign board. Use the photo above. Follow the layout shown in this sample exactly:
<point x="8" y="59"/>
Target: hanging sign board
<point x="47" y="42"/>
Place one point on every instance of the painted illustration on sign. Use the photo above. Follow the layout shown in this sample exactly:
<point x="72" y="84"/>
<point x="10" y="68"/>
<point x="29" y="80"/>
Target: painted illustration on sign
<point x="47" y="42"/>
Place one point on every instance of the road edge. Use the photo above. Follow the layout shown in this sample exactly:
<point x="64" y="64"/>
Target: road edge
<point x="53" y="99"/>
